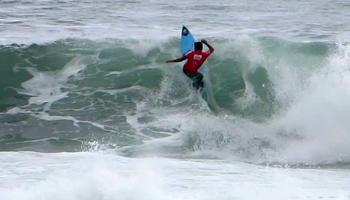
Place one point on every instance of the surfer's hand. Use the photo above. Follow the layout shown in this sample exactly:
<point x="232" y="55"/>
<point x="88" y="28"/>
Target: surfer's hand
<point x="168" y="61"/>
<point x="211" y="49"/>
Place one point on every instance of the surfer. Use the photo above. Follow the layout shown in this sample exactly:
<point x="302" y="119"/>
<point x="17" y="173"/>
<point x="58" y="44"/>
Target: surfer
<point x="195" y="59"/>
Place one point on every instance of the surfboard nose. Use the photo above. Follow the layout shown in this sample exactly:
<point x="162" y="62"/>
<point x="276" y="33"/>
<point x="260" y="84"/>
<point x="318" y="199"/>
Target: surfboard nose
<point x="185" y="31"/>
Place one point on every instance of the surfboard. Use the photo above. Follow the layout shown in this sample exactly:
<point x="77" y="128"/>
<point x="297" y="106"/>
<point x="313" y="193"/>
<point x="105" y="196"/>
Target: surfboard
<point x="187" y="41"/>
<point x="187" y="44"/>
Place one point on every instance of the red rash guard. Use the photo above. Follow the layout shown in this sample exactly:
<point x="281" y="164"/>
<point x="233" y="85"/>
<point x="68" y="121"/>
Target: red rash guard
<point x="195" y="60"/>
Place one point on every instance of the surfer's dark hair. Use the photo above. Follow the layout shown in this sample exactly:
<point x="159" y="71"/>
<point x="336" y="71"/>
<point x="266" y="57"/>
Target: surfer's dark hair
<point x="198" y="46"/>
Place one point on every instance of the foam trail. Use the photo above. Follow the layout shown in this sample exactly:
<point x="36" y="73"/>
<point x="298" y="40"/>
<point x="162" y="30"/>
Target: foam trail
<point x="48" y="87"/>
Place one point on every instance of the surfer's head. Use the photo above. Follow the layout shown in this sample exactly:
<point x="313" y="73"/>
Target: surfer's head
<point x="198" y="46"/>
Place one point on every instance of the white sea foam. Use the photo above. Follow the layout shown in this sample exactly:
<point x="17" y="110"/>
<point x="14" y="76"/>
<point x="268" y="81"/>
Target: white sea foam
<point x="107" y="176"/>
<point x="48" y="87"/>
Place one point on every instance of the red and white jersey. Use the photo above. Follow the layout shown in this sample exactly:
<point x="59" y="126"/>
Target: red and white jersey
<point x="195" y="60"/>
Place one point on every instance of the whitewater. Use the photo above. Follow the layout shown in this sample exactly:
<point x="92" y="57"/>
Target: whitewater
<point x="89" y="110"/>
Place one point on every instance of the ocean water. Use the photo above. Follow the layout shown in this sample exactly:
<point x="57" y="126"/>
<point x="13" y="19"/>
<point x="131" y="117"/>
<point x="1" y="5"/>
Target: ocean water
<point x="89" y="110"/>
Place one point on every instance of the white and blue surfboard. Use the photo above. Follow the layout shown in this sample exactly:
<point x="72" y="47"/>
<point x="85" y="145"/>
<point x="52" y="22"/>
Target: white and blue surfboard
<point x="187" y="44"/>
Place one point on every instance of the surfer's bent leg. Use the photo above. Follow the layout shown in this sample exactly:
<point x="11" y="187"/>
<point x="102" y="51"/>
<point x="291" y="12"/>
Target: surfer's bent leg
<point x="198" y="83"/>
<point x="197" y="78"/>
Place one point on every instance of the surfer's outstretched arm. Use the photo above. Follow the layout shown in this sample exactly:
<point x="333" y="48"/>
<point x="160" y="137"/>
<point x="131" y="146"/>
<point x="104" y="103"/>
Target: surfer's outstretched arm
<point x="211" y="49"/>
<point x="177" y="59"/>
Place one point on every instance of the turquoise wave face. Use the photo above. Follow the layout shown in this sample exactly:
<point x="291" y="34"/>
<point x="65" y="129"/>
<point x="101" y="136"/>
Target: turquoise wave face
<point x="75" y="95"/>
<point x="123" y="64"/>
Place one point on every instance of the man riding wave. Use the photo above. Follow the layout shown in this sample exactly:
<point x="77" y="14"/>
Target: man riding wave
<point x="195" y="60"/>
